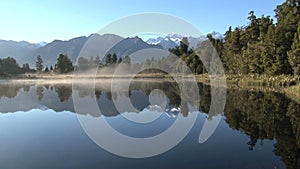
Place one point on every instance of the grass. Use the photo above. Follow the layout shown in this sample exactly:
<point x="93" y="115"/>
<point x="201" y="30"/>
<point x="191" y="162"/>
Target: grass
<point x="293" y="92"/>
<point x="280" y="81"/>
<point x="85" y="76"/>
<point x="290" y="85"/>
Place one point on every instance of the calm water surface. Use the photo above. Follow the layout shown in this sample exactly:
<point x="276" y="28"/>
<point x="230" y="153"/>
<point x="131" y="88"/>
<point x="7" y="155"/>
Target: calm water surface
<point x="39" y="129"/>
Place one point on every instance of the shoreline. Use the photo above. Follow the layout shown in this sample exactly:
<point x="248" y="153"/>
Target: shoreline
<point x="290" y="85"/>
<point x="293" y="92"/>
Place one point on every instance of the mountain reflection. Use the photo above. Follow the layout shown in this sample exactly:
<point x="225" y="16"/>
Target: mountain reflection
<point x="23" y="97"/>
<point x="259" y="115"/>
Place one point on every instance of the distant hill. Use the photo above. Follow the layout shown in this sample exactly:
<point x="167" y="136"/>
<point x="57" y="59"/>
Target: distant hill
<point x="26" y="53"/>
<point x="50" y="51"/>
<point x="16" y="49"/>
<point x="130" y="45"/>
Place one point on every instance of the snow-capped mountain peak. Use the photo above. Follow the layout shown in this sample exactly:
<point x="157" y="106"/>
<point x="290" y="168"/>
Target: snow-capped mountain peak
<point x="217" y="35"/>
<point x="42" y="43"/>
<point x="173" y="39"/>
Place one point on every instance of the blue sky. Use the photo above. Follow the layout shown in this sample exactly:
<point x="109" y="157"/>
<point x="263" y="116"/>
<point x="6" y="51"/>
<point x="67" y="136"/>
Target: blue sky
<point x="36" y="21"/>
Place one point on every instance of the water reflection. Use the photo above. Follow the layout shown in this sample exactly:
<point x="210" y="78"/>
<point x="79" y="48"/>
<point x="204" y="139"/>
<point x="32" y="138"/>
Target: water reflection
<point x="267" y="116"/>
<point x="261" y="116"/>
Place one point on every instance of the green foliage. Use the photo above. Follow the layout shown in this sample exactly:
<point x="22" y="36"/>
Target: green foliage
<point x="46" y="69"/>
<point x="25" y="68"/>
<point x="9" y="66"/>
<point x="262" y="47"/>
<point x="268" y="52"/>
<point x="127" y="60"/>
<point x="64" y="64"/>
<point x="83" y="63"/>
<point x="288" y="17"/>
<point x="266" y="116"/>
<point x="97" y="60"/>
<point x="184" y="44"/>
<point x="120" y="60"/>
<point x="114" y="58"/>
<point x="188" y="56"/>
<point x="40" y="92"/>
<point x="63" y="92"/>
<point x="39" y="64"/>
<point x="294" y="53"/>
<point x="108" y="59"/>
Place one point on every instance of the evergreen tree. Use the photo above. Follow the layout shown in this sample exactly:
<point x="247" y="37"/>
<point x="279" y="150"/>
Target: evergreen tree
<point x="252" y="31"/>
<point x="252" y="59"/>
<point x="268" y="52"/>
<point x="196" y="64"/>
<point x="46" y="70"/>
<point x="40" y="92"/>
<point x="184" y="45"/>
<point x="26" y="68"/>
<point x="64" y="64"/>
<point x="294" y="53"/>
<point x="175" y="51"/>
<point x="1" y="67"/>
<point x="288" y="17"/>
<point x="83" y="63"/>
<point x="232" y="52"/>
<point x="217" y="43"/>
<point x="91" y="60"/>
<point x="114" y="58"/>
<point x="9" y="66"/>
<point x="108" y="59"/>
<point x="127" y="59"/>
<point x="264" y="24"/>
<point x="97" y="60"/>
<point x="120" y="60"/>
<point x="39" y="64"/>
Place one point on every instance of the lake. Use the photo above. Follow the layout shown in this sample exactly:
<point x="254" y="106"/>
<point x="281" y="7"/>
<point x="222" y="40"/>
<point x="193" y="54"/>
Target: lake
<point x="40" y="127"/>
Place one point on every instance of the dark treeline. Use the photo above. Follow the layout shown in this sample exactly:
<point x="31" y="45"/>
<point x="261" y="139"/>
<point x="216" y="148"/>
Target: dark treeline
<point x="260" y="47"/>
<point x="110" y="60"/>
<point x="9" y="66"/>
<point x="264" y="47"/>
<point x="63" y="65"/>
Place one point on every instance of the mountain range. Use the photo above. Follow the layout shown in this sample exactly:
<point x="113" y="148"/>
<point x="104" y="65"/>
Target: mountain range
<point x="25" y="52"/>
<point x="173" y="39"/>
<point x="17" y="49"/>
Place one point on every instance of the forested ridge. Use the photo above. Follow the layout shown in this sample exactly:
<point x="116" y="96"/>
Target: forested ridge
<point x="265" y="47"/>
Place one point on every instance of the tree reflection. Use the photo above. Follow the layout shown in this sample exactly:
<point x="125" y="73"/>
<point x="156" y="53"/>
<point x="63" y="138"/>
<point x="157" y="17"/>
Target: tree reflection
<point x="98" y="94"/>
<point x="266" y="116"/>
<point x="64" y="92"/>
<point x="10" y="90"/>
<point x="39" y="92"/>
<point x="259" y="115"/>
